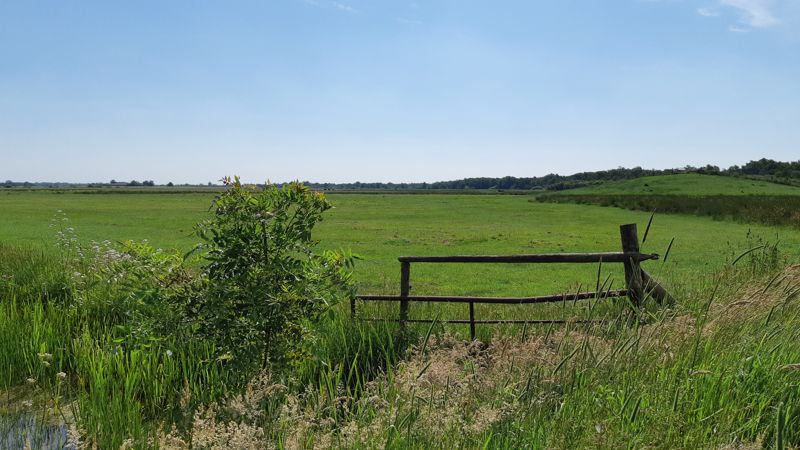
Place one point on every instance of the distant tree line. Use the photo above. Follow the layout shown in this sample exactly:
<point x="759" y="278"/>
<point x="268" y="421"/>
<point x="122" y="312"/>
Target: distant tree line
<point x="549" y="182"/>
<point x="777" y="171"/>
<point x="770" y="167"/>
<point x="765" y="169"/>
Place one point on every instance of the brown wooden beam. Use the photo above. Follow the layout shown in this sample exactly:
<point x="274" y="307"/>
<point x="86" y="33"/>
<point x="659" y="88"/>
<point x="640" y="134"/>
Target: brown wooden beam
<point x="633" y="278"/>
<point x="608" y="257"/>
<point x="499" y="321"/>
<point x="495" y="300"/>
<point x="654" y="289"/>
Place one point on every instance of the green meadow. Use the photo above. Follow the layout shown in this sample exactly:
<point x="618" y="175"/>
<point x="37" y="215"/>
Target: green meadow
<point x="381" y="227"/>
<point x="718" y="368"/>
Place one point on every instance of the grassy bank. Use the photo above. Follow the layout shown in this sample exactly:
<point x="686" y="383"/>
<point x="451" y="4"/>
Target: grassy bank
<point x="720" y="197"/>
<point x="771" y="210"/>
<point x="691" y="184"/>
<point x="718" y="368"/>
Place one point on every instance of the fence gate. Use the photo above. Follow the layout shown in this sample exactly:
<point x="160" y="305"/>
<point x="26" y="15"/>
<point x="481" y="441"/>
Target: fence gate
<point x="638" y="283"/>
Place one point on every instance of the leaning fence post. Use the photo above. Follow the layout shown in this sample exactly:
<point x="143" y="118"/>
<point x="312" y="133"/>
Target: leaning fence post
<point x="405" y="289"/>
<point x="633" y="278"/>
<point x="472" y="321"/>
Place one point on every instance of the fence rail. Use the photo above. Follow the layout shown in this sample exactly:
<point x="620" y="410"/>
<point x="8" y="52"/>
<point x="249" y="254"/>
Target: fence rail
<point x="546" y="258"/>
<point x="496" y="300"/>
<point x="638" y="282"/>
<point x="478" y="322"/>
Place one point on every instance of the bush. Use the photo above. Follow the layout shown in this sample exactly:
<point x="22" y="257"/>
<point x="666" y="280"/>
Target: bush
<point x="263" y="283"/>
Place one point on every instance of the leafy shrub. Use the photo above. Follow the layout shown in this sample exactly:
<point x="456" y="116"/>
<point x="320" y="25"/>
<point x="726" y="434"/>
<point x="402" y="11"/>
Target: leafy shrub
<point x="132" y="287"/>
<point x="263" y="283"/>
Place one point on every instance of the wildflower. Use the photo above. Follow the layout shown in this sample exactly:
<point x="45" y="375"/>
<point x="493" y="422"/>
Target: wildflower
<point x="61" y="376"/>
<point x="30" y="380"/>
<point x="169" y="353"/>
<point x="45" y="356"/>
<point x="27" y="403"/>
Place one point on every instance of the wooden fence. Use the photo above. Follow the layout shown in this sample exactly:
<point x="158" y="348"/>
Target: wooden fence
<point x="639" y="283"/>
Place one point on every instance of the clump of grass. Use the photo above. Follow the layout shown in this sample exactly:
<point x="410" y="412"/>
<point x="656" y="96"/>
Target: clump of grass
<point x="30" y="273"/>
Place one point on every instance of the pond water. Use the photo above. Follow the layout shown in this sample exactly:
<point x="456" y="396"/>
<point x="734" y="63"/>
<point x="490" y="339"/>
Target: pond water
<point x="19" y="428"/>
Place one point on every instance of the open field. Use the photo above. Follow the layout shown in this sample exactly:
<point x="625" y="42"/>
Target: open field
<point x="717" y="368"/>
<point x="381" y="227"/>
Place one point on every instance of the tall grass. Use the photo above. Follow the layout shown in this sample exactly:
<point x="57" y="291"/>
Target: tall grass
<point x="718" y="368"/>
<point x="79" y="361"/>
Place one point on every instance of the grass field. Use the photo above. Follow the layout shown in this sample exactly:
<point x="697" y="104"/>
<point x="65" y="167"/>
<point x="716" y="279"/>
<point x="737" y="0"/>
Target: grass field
<point x="381" y="227"/>
<point x="717" y="368"/>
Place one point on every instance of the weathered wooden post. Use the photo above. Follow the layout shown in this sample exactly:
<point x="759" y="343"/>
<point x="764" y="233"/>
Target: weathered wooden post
<point x="654" y="289"/>
<point x="405" y="290"/>
<point x="472" y="321"/>
<point x="353" y="307"/>
<point x="633" y="271"/>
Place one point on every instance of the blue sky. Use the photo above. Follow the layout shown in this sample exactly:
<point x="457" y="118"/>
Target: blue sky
<point x="369" y="90"/>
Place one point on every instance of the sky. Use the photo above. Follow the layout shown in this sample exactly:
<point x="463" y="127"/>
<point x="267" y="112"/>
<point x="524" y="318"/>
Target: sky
<point x="384" y="90"/>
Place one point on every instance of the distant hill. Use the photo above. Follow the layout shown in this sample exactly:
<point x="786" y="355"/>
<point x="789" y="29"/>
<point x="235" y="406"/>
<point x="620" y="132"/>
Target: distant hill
<point x="717" y="196"/>
<point x="692" y="184"/>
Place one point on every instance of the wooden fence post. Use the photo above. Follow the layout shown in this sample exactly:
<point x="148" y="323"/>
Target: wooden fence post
<point x="654" y="289"/>
<point x="633" y="270"/>
<point x="472" y="321"/>
<point x="353" y="308"/>
<point x="405" y="290"/>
